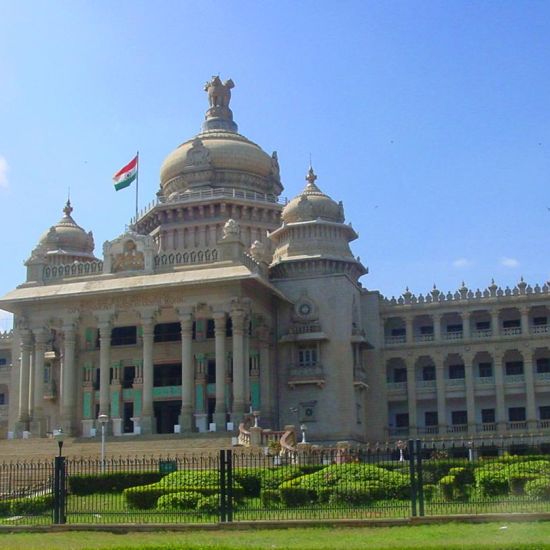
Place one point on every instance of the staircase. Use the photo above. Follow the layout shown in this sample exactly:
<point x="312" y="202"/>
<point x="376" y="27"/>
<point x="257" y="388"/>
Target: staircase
<point x="127" y="446"/>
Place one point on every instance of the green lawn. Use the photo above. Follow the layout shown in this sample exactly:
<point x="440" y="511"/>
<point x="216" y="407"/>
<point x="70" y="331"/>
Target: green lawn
<point x="450" y="536"/>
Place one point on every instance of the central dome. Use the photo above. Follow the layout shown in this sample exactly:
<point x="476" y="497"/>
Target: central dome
<point x="219" y="157"/>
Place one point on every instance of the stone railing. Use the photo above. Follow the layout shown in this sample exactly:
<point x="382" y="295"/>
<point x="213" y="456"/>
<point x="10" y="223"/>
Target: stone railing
<point x="484" y="380"/>
<point x="430" y="384"/>
<point x="543" y="424"/>
<point x="396" y="386"/>
<point x="244" y="435"/>
<point x="6" y="335"/>
<point x="392" y="340"/>
<point x="76" y="269"/>
<point x="205" y="194"/>
<point x="304" y="328"/>
<point x="456" y="335"/>
<point x="543" y="376"/>
<point x="424" y="338"/>
<point x="306" y="374"/>
<point x="487" y="427"/>
<point x="514" y="378"/>
<point x="457" y="428"/>
<point x="511" y="331"/>
<point x="455" y="382"/>
<point x="540" y="329"/>
<point x="465" y="294"/>
<point x="519" y="425"/>
<point x="183" y="257"/>
<point x="483" y="333"/>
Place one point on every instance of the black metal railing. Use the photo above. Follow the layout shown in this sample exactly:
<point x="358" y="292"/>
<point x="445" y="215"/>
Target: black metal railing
<point x="393" y="480"/>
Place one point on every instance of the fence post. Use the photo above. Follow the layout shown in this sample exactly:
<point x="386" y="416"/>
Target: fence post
<point x="229" y="467"/>
<point x="59" y="490"/>
<point x="419" y="477"/>
<point x="412" y="477"/>
<point x="223" y="487"/>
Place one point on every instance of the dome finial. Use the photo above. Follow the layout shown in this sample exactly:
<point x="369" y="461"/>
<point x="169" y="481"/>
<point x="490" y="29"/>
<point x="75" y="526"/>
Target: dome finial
<point x="311" y="177"/>
<point x="68" y="208"/>
<point x="219" y="116"/>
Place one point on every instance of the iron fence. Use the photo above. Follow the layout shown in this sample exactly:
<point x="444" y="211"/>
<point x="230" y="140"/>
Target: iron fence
<point x="396" y="480"/>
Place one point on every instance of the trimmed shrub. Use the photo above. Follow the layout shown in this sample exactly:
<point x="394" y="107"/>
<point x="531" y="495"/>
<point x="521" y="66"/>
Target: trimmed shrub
<point x="5" y="508"/>
<point x="29" y="506"/>
<point x="270" y="498"/>
<point x="434" y="469"/>
<point x="186" y="500"/>
<point x="491" y="482"/>
<point x="88" y="484"/>
<point x="296" y="496"/>
<point x="357" y="495"/>
<point x="539" y="488"/>
<point x="250" y="479"/>
<point x="429" y="491"/>
<point x="208" y="505"/>
<point x="447" y="487"/>
<point x="144" y="497"/>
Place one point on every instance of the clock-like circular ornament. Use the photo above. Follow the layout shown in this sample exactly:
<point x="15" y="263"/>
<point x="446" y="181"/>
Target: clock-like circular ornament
<point x="304" y="309"/>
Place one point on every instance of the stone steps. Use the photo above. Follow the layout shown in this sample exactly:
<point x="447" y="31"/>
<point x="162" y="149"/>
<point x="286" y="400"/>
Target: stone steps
<point x="131" y="446"/>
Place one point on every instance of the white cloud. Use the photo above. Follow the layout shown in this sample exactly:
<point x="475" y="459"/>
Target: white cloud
<point x="3" y="172"/>
<point x="509" y="262"/>
<point x="462" y="262"/>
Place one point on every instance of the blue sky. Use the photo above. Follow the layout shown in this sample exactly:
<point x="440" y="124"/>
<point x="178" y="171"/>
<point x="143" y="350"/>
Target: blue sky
<point x="429" y="120"/>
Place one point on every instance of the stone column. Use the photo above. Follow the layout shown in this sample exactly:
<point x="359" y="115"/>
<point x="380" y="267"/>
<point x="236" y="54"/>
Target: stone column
<point x="68" y="408"/>
<point x="495" y="322"/>
<point x="187" y="372"/>
<point x="147" y="419"/>
<point x="409" y="330"/>
<point x="238" y="317"/>
<point x="24" y="381"/>
<point x="38" y="422"/>
<point x="104" y="364"/>
<point x="219" y="327"/>
<point x="436" y="317"/>
<point x="411" y="396"/>
<point x="246" y="364"/>
<point x="441" y="401"/>
<point x="466" y="332"/>
<point x="531" y="409"/>
<point x="470" y="394"/>
<point x="499" y="390"/>
<point x="524" y="321"/>
<point x="265" y="378"/>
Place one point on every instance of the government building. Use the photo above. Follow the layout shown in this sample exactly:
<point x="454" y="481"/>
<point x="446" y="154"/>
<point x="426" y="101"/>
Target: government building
<point x="221" y="299"/>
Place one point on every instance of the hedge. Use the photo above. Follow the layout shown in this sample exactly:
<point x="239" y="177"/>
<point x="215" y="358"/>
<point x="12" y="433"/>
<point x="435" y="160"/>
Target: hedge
<point x="89" y="484"/>
<point x="26" y="506"/>
<point x="539" y="488"/>
<point x="186" y="500"/>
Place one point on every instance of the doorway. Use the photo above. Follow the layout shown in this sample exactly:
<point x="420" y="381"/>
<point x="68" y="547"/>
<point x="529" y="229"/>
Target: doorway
<point x="127" y="424"/>
<point x="167" y="415"/>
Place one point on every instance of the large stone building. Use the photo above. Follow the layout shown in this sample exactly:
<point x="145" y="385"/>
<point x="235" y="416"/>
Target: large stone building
<point x="221" y="298"/>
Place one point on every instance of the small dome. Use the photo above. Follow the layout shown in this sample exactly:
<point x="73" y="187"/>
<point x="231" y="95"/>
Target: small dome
<point x="312" y="204"/>
<point x="66" y="237"/>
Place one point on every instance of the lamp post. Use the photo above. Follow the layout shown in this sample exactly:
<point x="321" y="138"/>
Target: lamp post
<point x="256" y="415"/>
<point x="60" y="438"/>
<point x="303" y="429"/>
<point x="103" y="419"/>
<point x="401" y="445"/>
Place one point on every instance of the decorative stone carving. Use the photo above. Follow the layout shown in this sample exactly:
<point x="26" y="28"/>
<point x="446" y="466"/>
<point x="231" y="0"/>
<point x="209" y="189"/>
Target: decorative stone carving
<point x="259" y="252"/>
<point x="198" y="155"/>
<point x="275" y="169"/>
<point x="129" y="252"/>
<point x="231" y="229"/>
<point x="219" y="94"/>
<point x="130" y="259"/>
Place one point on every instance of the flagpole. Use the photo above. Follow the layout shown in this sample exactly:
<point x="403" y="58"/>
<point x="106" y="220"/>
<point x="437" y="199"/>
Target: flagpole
<point x="137" y="185"/>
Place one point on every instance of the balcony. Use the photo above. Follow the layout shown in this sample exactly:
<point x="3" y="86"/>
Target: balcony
<point x="420" y="338"/>
<point x="455" y="382"/>
<point x="298" y="375"/>
<point x="517" y="425"/>
<point x="542" y="376"/>
<point x="487" y="427"/>
<point x="514" y="378"/>
<point x="359" y="376"/>
<point x="543" y="424"/>
<point x="428" y="430"/>
<point x="393" y="340"/>
<point x="455" y="335"/>
<point x="457" y="429"/>
<point x="540" y="329"/>
<point x="426" y="384"/>
<point x="396" y="386"/>
<point x="511" y="331"/>
<point x="485" y="381"/>
<point x="480" y="334"/>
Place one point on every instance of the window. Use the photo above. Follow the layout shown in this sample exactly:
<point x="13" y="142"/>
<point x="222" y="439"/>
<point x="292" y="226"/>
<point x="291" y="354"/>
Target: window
<point x="426" y="330"/>
<point x="3" y="400"/>
<point x="487" y="416"/>
<point x="543" y="365"/>
<point x="402" y="420"/>
<point x="514" y="368"/>
<point x="167" y="332"/>
<point x="167" y="375"/>
<point x="459" y="418"/>
<point x="97" y="379"/>
<point x="3" y="361"/>
<point x="229" y="328"/>
<point x="428" y="373"/>
<point x="128" y="375"/>
<point x="307" y="357"/>
<point x="398" y="331"/>
<point x="399" y="375"/>
<point x="454" y="328"/>
<point x="485" y="370"/>
<point x="544" y="412"/>
<point x="430" y="418"/>
<point x="513" y="323"/>
<point x="540" y="321"/>
<point x="456" y="372"/>
<point x="516" y="414"/>
<point x="211" y="371"/>
<point x="483" y="325"/>
<point x="124" y="336"/>
<point x="210" y="328"/>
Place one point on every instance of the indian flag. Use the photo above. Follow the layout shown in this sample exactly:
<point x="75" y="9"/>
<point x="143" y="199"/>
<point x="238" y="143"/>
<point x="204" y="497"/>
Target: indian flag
<point x="125" y="176"/>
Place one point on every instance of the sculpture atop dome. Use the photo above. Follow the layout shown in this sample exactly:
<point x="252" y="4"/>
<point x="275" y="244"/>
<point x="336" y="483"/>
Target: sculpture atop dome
<point x="219" y="116"/>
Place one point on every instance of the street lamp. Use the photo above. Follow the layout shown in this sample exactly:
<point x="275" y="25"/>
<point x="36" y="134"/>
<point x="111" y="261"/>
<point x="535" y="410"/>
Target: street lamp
<point x="401" y="445"/>
<point x="60" y="438"/>
<point x="303" y="429"/>
<point x="256" y="415"/>
<point x="103" y="419"/>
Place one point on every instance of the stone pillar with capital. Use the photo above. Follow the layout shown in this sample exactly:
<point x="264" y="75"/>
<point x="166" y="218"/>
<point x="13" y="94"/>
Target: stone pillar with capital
<point x="187" y="371"/>
<point x="238" y="318"/>
<point x="531" y="409"/>
<point x="495" y="322"/>
<point x="104" y="323"/>
<point x="499" y="390"/>
<point x="466" y="331"/>
<point x="68" y="395"/>
<point x="441" y="401"/>
<point x="411" y="396"/>
<point x="24" y="381"/>
<point x="436" y="318"/>
<point x="266" y="397"/>
<point x="409" y="330"/>
<point x="524" y="311"/>
<point x="470" y="393"/>
<point x="147" y="417"/>
<point x="246" y="364"/>
<point x="220" y="335"/>
<point x="38" y="422"/>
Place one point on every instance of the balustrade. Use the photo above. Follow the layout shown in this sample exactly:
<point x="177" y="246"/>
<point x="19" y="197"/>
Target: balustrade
<point x="519" y="425"/>
<point x="483" y="333"/>
<point x="397" y="386"/>
<point x="511" y="331"/>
